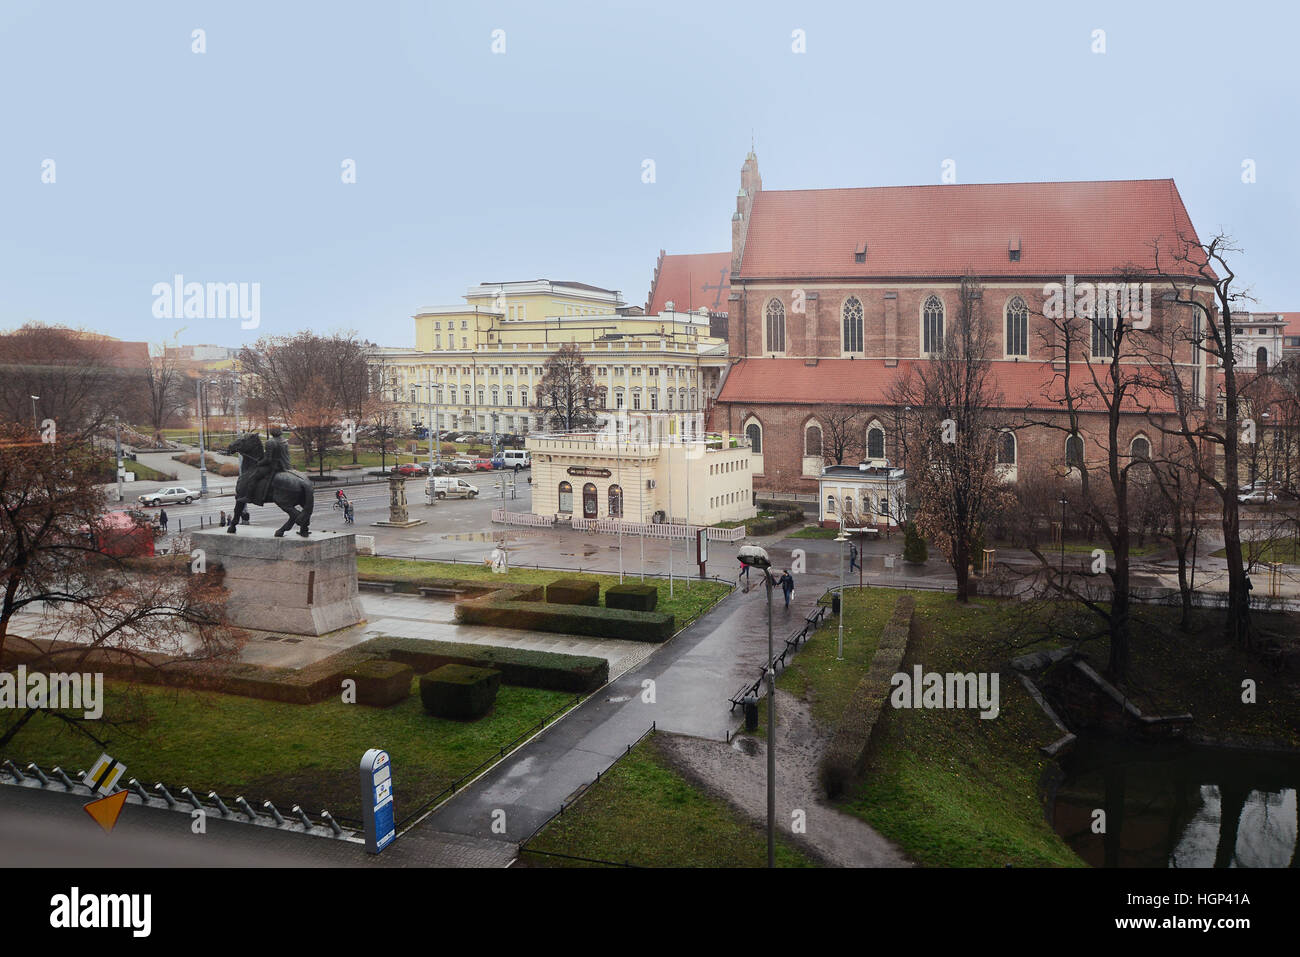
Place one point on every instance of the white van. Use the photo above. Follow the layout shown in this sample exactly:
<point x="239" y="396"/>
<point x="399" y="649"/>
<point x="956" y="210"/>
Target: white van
<point x="449" y="486"/>
<point x="521" y="457"/>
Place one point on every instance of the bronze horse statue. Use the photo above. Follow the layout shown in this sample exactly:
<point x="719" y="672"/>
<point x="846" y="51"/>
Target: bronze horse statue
<point x="289" y="490"/>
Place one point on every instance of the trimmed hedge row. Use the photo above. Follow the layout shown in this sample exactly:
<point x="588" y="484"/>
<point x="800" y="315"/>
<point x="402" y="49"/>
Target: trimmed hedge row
<point x="569" y="591"/>
<point x="596" y="622"/>
<point x="632" y="597"/>
<point x="459" y="691"/>
<point x="520" y="667"/>
<point x="380" y="683"/>
<point x="846" y="757"/>
<point x="768" y="526"/>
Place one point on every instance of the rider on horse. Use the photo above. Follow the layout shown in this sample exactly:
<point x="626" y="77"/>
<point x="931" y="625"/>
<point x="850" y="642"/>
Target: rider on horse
<point x="275" y="459"/>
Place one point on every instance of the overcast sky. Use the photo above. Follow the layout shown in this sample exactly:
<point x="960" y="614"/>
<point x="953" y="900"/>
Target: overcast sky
<point x="474" y="166"/>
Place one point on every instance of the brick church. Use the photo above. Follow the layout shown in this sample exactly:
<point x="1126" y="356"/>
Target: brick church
<point x="834" y="293"/>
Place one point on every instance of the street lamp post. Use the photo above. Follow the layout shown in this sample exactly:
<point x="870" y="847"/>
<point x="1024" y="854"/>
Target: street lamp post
<point x="117" y="442"/>
<point x="203" y="457"/>
<point x="1064" y="503"/>
<point x="35" y="421"/>
<point x="839" y="646"/>
<point x="751" y="556"/>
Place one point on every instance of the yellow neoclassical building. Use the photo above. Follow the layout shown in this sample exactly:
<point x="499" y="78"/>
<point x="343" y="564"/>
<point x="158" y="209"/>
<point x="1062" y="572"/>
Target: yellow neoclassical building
<point x="477" y="366"/>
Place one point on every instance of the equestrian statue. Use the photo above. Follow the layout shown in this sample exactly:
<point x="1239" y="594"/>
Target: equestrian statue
<point x="265" y="474"/>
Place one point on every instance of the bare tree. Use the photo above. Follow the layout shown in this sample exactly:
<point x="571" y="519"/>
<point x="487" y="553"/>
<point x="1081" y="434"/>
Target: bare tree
<point x="841" y="431"/>
<point x="567" y="394"/>
<point x="78" y="599"/>
<point x="953" y="429"/>
<point x="1200" y="306"/>
<point x="71" y="373"/>
<point x="166" y="391"/>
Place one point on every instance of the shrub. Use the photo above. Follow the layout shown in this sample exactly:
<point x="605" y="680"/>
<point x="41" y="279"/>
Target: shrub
<point x="596" y="622"/>
<point x="773" y="523"/>
<point x="632" y="597"/>
<point x="381" y="683"/>
<point x="914" y="549"/>
<point x="518" y="666"/>
<point x="459" y="691"/>
<point x="573" y="591"/>
<point x="227" y="470"/>
<point x="846" y="755"/>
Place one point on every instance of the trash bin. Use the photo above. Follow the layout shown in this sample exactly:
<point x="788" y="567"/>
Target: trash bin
<point x="750" y="704"/>
<point x="835" y="603"/>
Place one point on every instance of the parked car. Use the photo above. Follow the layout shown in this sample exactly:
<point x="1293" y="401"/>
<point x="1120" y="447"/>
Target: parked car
<point x="521" y="457"/>
<point x="463" y="465"/>
<point x="411" y="468"/>
<point x="451" y="487"/>
<point x="171" y="495"/>
<point x="1259" y="496"/>
<point x="484" y="465"/>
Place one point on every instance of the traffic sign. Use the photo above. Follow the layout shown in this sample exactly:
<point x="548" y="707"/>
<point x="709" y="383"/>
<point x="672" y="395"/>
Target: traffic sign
<point x="104" y="774"/>
<point x="377" y="811"/>
<point x="106" y="809"/>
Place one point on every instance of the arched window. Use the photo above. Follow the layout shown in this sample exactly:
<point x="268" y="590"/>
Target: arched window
<point x="616" y="501"/>
<point x="1261" y="358"/>
<point x="754" y="432"/>
<point x="1140" y="449"/>
<point x="852" y="324"/>
<point x="848" y="508"/>
<point x="566" y="497"/>
<point x="875" y="442"/>
<point x="1007" y="448"/>
<point x="830" y="504"/>
<point x="775" y="326"/>
<point x="589" y="501"/>
<point x="932" y="325"/>
<point x="1074" y="451"/>
<point x="812" y="440"/>
<point x="1017" y="327"/>
<point x="1103" y="328"/>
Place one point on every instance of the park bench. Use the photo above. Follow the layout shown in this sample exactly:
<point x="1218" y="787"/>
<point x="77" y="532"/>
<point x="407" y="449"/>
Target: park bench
<point x="439" y="591"/>
<point x="386" y="587"/>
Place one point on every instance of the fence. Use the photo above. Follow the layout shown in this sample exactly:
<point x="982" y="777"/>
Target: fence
<point x="575" y="796"/>
<point x="612" y="526"/>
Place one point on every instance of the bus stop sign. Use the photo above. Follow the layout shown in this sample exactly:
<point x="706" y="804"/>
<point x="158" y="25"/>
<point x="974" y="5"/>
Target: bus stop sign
<point x="377" y="800"/>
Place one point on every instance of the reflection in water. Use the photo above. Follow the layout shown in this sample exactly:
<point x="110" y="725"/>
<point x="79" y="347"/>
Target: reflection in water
<point x="1179" y="806"/>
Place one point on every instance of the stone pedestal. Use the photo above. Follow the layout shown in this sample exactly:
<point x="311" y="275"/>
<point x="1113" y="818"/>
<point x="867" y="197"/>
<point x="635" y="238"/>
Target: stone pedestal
<point x="303" y="586"/>
<point x="398" y="516"/>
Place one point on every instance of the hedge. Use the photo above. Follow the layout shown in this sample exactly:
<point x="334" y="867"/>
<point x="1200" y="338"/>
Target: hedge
<point x="596" y="622"/>
<point x="520" y="667"/>
<point x="846" y="756"/>
<point x="572" y="591"/>
<point x="459" y="691"/>
<point x="767" y="526"/>
<point x="632" y="597"/>
<point x="381" y="683"/>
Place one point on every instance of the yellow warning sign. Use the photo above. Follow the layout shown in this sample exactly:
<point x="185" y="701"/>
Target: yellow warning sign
<point x="103" y="775"/>
<point x="105" y="811"/>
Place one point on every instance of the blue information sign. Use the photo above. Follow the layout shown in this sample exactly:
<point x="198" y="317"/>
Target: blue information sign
<point x="377" y="800"/>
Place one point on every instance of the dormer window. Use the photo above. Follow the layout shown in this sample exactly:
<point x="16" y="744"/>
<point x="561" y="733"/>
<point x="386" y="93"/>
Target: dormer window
<point x="860" y="254"/>
<point x="1013" y="250"/>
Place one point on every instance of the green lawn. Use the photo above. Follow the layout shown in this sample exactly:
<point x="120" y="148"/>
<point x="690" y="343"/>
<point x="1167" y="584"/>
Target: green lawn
<point x="643" y="812"/>
<point x="685" y="606"/>
<point x="815" y="531"/>
<point x="144" y="473"/>
<point x="1285" y="550"/>
<point x="285" y="753"/>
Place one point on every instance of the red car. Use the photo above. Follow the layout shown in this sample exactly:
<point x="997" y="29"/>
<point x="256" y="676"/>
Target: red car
<point x="410" y="469"/>
<point x="483" y="465"/>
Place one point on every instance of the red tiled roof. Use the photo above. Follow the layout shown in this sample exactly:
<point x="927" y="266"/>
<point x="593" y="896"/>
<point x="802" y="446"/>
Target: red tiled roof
<point x="1292" y="323"/>
<point x="1023" y="385"/>
<point x="1090" y="228"/>
<point x="691" y="281"/>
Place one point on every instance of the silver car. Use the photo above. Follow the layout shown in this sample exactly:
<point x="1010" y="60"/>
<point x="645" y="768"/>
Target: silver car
<point x="172" y="495"/>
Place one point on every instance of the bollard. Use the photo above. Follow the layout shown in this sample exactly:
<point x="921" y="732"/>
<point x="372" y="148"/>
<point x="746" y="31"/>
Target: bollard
<point x="329" y="819"/>
<point x="302" y="816"/>
<point x="167" y="796"/>
<point x="215" y="798"/>
<point x="68" y="783"/>
<point x="138" y="788"/>
<point x="38" y="774"/>
<point x="13" y="769"/>
<point x="243" y="806"/>
<point x="275" y="813"/>
<point x="189" y="796"/>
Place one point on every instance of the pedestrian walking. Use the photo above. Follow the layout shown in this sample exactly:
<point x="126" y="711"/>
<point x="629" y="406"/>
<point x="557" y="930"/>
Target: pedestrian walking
<point x="853" y="556"/>
<point x="162" y="519"/>
<point x="347" y="513"/>
<point x="744" y="573"/>
<point x="787" y="586"/>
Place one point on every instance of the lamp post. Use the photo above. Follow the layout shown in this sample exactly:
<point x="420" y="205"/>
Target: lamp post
<point x="751" y="556"/>
<point x="1064" y="502"/>
<point x="35" y="422"/>
<point x="117" y="442"/>
<point x="203" y="458"/>
<point x="839" y="646"/>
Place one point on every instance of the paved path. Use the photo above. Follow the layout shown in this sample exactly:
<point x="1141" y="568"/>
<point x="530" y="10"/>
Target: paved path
<point x="692" y="676"/>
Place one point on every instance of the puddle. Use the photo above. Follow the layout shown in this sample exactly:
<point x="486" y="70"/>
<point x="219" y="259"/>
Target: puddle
<point x="745" y="744"/>
<point x="490" y="536"/>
